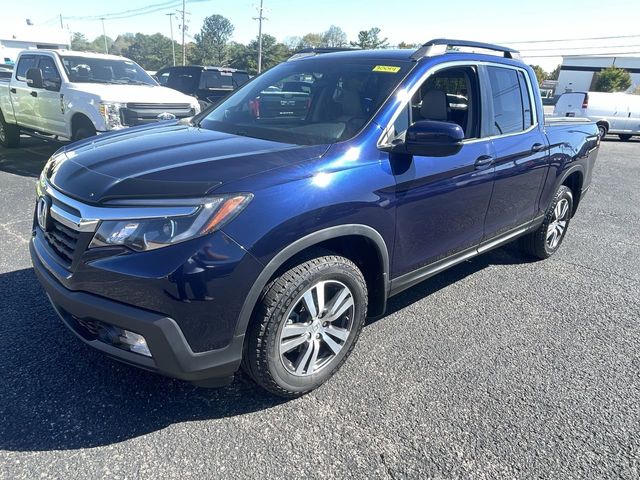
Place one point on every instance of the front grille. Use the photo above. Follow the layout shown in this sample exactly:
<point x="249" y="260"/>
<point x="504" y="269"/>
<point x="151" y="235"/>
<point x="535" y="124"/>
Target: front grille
<point x="62" y="240"/>
<point x="143" y="113"/>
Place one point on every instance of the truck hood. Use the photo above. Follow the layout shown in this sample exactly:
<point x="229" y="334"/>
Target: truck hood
<point x="134" y="93"/>
<point x="165" y="160"/>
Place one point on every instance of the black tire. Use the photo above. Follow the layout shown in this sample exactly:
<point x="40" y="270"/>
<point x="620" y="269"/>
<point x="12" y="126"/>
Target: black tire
<point x="602" y="130"/>
<point x="9" y="134"/>
<point x="625" y="137"/>
<point x="262" y="359"/>
<point x="83" y="130"/>
<point x="536" y="243"/>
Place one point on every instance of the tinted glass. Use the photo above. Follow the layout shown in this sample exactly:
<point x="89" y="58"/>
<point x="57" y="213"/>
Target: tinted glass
<point x="217" y="79"/>
<point x="310" y="101"/>
<point x="105" y="70"/>
<point x="49" y="70"/>
<point x="184" y="80"/>
<point x="25" y="63"/>
<point x="527" y="114"/>
<point x="508" y="108"/>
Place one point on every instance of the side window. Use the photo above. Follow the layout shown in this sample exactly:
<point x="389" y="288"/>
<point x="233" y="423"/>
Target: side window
<point x="527" y="116"/>
<point x="450" y="95"/>
<point x="25" y="63"/>
<point x="163" y="77"/>
<point x="511" y="101"/>
<point x="50" y="75"/>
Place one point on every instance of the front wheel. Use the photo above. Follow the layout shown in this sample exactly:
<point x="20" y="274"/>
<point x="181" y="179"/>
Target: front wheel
<point x="546" y="240"/>
<point x="306" y="326"/>
<point x="625" y="137"/>
<point x="602" y="130"/>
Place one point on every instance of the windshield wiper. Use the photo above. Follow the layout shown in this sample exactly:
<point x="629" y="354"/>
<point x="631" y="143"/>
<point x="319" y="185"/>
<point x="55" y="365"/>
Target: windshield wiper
<point x="130" y="82"/>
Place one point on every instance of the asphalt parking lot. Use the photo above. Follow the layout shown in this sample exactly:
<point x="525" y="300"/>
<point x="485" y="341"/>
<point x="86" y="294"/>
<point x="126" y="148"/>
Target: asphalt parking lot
<point x="501" y="367"/>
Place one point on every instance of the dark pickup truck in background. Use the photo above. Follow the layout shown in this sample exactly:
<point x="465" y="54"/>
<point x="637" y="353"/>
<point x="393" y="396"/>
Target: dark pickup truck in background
<point x="263" y="240"/>
<point x="208" y="84"/>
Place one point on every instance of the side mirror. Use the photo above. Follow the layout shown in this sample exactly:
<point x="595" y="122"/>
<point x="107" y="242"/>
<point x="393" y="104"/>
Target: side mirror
<point x="433" y="138"/>
<point x="34" y="78"/>
<point x="430" y="138"/>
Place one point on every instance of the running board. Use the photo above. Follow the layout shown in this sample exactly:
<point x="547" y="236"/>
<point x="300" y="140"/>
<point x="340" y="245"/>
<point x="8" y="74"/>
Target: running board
<point x="410" y="279"/>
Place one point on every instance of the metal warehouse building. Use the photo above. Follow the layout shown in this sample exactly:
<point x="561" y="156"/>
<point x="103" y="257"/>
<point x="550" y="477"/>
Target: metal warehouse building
<point x="579" y="73"/>
<point x="14" y="39"/>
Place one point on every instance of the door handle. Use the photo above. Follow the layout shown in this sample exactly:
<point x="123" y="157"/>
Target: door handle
<point x="537" y="147"/>
<point x="13" y="90"/>
<point x="34" y="94"/>
<point x="484" y="161"/>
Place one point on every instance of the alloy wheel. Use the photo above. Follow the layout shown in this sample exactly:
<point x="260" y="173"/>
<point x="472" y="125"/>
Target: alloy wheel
<point x="558" y="223"/>
<point x="317" y="328"/>
<point x="3" y="133"/>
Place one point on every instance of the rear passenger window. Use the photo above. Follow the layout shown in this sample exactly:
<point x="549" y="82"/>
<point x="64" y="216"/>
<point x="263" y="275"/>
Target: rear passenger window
<point x="25" y="63"/>
<point x="511" y="101"/>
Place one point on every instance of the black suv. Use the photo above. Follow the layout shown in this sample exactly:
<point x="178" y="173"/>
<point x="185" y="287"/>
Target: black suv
<point x="208" y="84"/>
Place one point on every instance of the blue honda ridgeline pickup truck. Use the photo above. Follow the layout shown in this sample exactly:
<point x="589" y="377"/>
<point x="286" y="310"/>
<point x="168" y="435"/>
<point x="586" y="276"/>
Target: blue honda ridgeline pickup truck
<point x="261" y="234"/>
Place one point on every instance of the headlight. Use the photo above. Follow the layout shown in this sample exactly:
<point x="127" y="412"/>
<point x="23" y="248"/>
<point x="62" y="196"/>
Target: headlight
<point x="111" y="114"/>
<point x="151" y="233"/>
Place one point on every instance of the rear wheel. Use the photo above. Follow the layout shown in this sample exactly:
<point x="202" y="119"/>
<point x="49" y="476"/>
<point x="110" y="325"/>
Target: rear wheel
<point x="625" y="137"/>
<point x="546" y="240"/>
<point x="306" y="326"/>
<point x="9" y="134"/>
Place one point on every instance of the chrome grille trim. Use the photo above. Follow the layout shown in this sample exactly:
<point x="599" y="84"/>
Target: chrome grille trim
<point x="90" y="216"/>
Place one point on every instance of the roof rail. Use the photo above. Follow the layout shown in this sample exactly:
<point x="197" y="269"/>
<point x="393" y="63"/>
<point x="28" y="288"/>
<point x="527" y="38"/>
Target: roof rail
<point x="312" y="51"/>
<point x="439" y="46"/>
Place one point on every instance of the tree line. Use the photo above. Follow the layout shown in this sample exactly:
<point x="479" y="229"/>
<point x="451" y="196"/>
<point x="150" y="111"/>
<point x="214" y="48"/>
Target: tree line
<point x="213" y="46"/>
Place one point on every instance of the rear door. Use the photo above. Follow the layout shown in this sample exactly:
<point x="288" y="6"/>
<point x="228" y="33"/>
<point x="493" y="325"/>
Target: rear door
<point x="570" y="105"/>
<point x="24" y="103"/>
<point x="520" y="150"/>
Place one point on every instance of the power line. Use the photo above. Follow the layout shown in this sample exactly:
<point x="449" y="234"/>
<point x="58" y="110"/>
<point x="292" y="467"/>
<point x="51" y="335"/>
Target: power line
<point x="576" y="48"/>
<point x="570" y="39"/>
<point x="600" y="54"/>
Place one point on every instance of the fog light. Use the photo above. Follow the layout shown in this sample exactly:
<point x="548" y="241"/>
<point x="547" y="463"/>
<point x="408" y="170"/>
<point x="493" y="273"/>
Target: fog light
<point x="134" y="342"/>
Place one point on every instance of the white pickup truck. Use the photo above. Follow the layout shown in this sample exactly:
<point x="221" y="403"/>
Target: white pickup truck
<point x="73" y="95"/>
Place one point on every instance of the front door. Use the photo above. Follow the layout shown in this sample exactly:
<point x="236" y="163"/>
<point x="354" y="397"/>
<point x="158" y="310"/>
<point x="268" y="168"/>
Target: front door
<point x="50" y="101"/>
<point x="520" y="150"/>
<point x="442" y="201"/>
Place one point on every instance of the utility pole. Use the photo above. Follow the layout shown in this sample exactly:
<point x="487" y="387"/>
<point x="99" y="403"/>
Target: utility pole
<point x="61" y="25"/>
<point x="260" y="18"/>
<point x="184" y="46"/>
<point x="173" y="44"/>
<point x="104" y="35"/>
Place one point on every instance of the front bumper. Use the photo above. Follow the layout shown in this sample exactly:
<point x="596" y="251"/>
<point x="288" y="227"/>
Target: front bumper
<point x="171" y="353"/>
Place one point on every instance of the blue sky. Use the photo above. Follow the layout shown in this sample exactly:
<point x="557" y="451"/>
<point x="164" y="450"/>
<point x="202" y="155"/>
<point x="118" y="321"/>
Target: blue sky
<point x="505" y="21"/>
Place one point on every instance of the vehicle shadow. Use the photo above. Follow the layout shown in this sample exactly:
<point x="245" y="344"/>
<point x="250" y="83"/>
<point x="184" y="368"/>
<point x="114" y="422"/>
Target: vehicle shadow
<point x="28" y="159"/>
<point x="59" y="394"/>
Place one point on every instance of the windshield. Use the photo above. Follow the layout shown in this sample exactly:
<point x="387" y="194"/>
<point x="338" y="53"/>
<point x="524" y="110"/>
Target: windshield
<point x="310" y="101"/>
<point x="105" y="70"/>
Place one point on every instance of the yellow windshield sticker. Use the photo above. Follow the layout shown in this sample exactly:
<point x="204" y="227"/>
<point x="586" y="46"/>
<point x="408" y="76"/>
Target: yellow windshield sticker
<point x="386" y="68"/>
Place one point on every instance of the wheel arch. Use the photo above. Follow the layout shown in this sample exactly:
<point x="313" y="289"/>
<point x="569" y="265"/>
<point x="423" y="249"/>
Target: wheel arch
<point x="574" y="179"/>
<point x="78" y="119"/>
<point x="360" y="243"/>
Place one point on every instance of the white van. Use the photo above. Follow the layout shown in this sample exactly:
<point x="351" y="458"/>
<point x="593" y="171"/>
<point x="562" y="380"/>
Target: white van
<point x="617" y="113"/>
